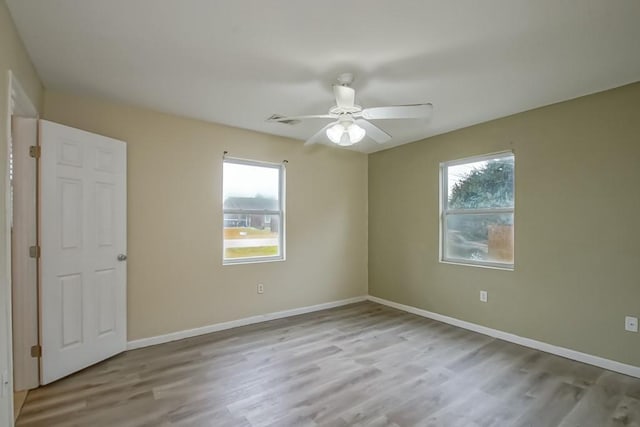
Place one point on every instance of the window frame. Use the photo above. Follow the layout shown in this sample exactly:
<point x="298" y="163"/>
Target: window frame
<point x="445" y="211"/>
<point x="280" y="212"/>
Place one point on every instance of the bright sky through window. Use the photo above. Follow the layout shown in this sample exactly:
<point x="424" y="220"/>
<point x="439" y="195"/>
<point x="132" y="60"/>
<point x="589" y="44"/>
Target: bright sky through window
<point x="250" y="181"/>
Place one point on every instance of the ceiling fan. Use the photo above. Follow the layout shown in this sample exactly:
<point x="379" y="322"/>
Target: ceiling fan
<point x="352" y="121"/>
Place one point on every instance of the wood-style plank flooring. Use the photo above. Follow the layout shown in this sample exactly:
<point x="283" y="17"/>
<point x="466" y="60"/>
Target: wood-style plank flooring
<point x="18" y="400"/>
<point x="358" y="365"/>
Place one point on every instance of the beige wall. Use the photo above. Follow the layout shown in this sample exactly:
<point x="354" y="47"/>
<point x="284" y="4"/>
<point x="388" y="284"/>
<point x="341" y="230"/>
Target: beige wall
<point x="176" y="280"/>
<point x="577" y="242"/>
<point x="12" y="57"/>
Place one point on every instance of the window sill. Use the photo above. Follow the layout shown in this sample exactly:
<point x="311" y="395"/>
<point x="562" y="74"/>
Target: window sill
<point x="252" y="261"/>
<point x="471" y="264"/>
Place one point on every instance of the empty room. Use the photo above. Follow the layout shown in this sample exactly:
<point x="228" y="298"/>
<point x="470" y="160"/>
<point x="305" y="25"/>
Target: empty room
<point x="341" y="213"/>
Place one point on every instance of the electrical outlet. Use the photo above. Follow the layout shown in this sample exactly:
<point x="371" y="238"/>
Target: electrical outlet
<point x="260" y="288"/>
<point x="631" y="324"/>
<point x="484" y="296"/>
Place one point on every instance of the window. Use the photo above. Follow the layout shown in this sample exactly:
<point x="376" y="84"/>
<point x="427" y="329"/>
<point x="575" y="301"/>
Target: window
<point x="253" y="211"/>
<point x="477" y="210"/>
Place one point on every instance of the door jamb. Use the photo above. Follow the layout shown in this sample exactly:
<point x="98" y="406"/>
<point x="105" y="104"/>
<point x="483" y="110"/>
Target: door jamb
<point x="19" y="103"/>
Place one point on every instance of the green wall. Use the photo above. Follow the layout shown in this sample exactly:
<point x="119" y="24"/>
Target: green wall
<point x="577" y="219"/>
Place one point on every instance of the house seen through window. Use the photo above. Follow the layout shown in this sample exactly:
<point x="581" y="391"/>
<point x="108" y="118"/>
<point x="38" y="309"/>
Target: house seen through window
<point x="477" y="219"/>
<point x="253" y="203"/>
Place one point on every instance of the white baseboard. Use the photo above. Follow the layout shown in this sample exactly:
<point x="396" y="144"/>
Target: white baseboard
<point x="601" y="362"/>
<point x="174" y="336"/>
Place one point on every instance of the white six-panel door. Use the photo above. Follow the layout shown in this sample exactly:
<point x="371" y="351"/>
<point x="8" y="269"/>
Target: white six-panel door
<point x="83" y="243"/>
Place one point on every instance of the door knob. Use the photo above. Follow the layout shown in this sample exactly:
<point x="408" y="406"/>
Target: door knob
<point x="122" y="257"/>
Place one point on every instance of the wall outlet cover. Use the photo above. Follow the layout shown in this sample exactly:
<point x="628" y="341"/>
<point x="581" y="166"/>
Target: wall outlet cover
<point x="631" y="324"/>
<point x="484" y="296"/>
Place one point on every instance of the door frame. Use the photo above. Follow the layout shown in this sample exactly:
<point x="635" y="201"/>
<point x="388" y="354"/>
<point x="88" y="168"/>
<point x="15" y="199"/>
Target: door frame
<point x="18" y="103"/>
<point x="24" y="263"/>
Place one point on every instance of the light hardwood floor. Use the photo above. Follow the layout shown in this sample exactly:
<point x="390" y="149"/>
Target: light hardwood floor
<point x="18" y="400"/>
<point x="363" y="364"/>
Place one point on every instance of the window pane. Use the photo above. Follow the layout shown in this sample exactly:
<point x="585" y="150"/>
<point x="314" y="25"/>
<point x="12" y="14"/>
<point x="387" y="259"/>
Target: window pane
<point x="480" y="238"/>
<point x="482" y="184"/>
<point x="251" y="236"/>
<point x="250" y="186"/>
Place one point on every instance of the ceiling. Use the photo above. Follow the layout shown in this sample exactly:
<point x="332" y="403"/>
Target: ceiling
<point x="238" y="62"/>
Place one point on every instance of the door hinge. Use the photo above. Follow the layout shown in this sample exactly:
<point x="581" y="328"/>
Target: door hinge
<point x="34" y="151"/>
<point x="34" y="251"/>
<point x="36" y="351"/>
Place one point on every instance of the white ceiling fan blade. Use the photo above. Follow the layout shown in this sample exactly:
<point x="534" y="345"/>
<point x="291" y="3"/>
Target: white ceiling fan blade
<point x="345" y="96"/>
<point x="318" y="135"/>
<point x="416" y="111"/>
<point x="278" y="118"/>
<point x="373" y="131"/>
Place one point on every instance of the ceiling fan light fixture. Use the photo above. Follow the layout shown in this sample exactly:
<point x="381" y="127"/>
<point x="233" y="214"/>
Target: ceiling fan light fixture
<point x="344" y="140"/>
<point x="334" y="133"/>
<point x="356" y="133"/>
<point x="345" y="133"/>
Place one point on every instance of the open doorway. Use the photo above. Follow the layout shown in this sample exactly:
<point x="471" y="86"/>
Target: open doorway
<point x="22" y="227"/>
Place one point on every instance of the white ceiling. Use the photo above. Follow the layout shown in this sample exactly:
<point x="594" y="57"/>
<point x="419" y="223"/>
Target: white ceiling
<point x="237" y="62"/>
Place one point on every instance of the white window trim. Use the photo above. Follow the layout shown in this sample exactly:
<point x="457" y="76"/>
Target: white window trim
<point x="281" y="212"/>
<point x="444" y="194"/>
